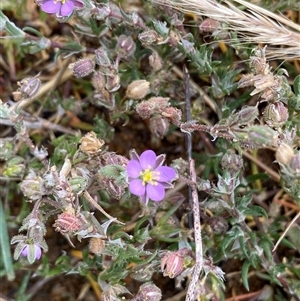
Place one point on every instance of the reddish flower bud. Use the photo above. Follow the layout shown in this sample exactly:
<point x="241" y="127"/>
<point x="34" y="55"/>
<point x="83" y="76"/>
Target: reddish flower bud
<point x="295" y="163"/>
<point x="125" y="46"/>
<point x="67" y="222"/>
<point x="209" y="25"/>
<point x="82" y="67"/>
<point x="148" y="292"/>
<point x="172" y="263"/>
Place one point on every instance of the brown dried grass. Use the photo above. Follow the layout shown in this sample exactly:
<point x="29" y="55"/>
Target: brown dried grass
<point x="254" y="25"/>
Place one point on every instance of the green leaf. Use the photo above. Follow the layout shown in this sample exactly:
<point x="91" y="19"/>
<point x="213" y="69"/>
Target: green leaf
<point x="245" y="270"/>
<point x="297" y="85"/>
<point x="5" y="246"/>
<point x="10" y="27"/>
<point x="255" y="211"/>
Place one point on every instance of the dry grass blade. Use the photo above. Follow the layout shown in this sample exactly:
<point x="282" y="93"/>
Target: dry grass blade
<point x="255" y="25"/>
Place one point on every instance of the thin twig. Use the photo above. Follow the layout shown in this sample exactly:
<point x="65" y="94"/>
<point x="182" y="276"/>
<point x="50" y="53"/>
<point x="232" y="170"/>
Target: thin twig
<point x="96" y="205"/>
<point x="198" y="237"/>
<point x="285" y="231"/>
<point x="273" y="174"/>
<point x="188" y="136"/>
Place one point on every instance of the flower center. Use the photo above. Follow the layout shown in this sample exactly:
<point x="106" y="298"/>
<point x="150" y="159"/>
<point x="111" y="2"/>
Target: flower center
<point x="149" y="176"/>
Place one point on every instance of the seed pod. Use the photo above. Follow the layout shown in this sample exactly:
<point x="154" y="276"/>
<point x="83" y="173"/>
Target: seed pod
<point x="96" y="245"/>
<point x="90" y="144"/>
<point x="98" y="80"/>
<point x="138" y="89"/>
<point x="284" y="153"/>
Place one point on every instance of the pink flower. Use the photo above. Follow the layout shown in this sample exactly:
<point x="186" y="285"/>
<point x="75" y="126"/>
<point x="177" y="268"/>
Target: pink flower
<point x="147" y="178"/>
<point x="62" y="8"/>
<point x="32" y="252"/>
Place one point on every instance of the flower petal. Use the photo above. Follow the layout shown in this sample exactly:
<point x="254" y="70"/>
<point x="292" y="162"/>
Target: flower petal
<point x="67" y="9"/>
<point x="148" y="159"/>
<point x="136" y="187"/>
<point x="25" y="250"/>
<point x="78" y="4"/>
<point x="155" y="192"/>
<point x="51" y="7"/>
<point x="38" y="251"/>
<point x="166" y="173"/>
<point x="133" y="169"/>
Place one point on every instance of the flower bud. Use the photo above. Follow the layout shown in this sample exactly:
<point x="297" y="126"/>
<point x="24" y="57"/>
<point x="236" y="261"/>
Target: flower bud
<point x="96" y="245"/>
<point x="29" y="86"/>
<point x="32" y="187"/>
<point x="209" y="25"/>
<point x="149" y="292"/>
<point x="172" y="263"/>
<point x="138" y="89"/>
<point x="173" y="114"/>
<point x="82" y="67"/>
<point x="262" y="135"/>
<point x="295" y="163"/>
<point x="247" y="115"/>
<point x="275" y="114"/>
<point x="125" y="46"/>
<point x="145" y="109"/>
<point x="15" y="167"/>
<point x="7" y="148"/>
<point x="232" y="162"/>
<point x="148" y="37"/>
<point x="98" y="81"/>
<point x="90" y="144"/>
<point x="284" y="153"/>
<point x="78" y="184"/>
<point x="218" y="224"/>
<point x="159" y="126"/>
<point x="101" y="58"/>
<point x="112" y="82"/>
<point x="67" y="222"/>
<point x="155" y="61"/>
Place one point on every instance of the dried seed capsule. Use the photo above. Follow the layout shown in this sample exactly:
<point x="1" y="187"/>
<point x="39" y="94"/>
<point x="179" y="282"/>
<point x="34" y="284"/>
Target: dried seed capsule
<point x="82" y="67"/>
<point x="284" y="153"/>
<point x="98" y="81"/>
<point x="138" y="89"/>
<point x="90" y="144"/>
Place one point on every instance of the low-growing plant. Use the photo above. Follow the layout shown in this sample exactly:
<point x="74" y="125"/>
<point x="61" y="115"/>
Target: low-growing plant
<point x="157" y="144"/>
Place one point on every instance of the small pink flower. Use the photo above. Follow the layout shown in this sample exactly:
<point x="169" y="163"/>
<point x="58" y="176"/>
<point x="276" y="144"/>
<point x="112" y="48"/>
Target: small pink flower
<point x="62" y="8"/>
<point x="147" y="178"/>
<point x="32" y="252"/>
